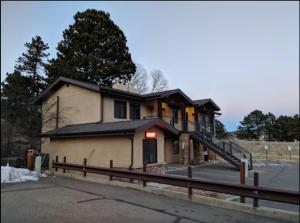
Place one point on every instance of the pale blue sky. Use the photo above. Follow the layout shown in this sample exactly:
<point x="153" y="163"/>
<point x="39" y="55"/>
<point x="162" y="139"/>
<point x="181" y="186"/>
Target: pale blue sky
<point x="243" y="55"/>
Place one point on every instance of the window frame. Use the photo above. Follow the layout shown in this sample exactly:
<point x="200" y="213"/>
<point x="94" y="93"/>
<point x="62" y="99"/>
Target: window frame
<point x="118" y="111"/>
<point x="132" y="110"/>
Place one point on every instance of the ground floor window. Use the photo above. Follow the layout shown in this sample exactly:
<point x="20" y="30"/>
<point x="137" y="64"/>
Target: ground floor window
<point x="149" y="151"/>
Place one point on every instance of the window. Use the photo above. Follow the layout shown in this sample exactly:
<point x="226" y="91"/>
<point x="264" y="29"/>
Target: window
<point x="134" y="111"/>
<point x="175" y="116"/>
<point x="120" y="109"/>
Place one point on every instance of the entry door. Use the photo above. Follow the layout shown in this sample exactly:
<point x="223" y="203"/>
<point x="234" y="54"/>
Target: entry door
<point x="149" y="151"/>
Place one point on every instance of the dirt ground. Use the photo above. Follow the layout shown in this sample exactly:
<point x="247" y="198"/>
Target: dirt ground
<point x="277" y="151"/>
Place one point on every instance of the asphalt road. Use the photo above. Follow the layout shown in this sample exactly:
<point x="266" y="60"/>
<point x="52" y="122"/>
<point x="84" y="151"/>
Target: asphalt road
<point x="58" y="199"/>
<point x="273" y="174"/>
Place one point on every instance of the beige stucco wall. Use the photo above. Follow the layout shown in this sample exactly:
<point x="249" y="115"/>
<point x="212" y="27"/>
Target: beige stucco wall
<point x="108" y="106"/>
<point x="138" y="147"/>
<point x="76" y="105"/>
<point x="170" y="157"/>
<point x="167" y="115"/>
<point x="191" y="118"/>
<point x="98" y="150"/>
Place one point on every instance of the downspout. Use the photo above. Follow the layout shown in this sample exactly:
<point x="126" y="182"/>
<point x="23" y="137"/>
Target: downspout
<point x="131" y="162"/>
<point x="101" y="106"/>
<point x="57" y="112"/>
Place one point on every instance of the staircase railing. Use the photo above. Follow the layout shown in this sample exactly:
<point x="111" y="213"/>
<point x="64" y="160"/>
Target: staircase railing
<point x="226" y="145"/>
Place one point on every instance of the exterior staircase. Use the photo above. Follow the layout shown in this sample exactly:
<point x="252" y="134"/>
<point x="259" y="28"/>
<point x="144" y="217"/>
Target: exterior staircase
<point x="228" y="150"/>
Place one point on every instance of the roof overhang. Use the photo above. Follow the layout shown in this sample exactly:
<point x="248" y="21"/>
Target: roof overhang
<point x="63" y="132"/>
<point x="207" y="102"/>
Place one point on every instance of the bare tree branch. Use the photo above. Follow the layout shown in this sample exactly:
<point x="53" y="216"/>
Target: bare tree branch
<point x="158" y="81"/>
<point x="140" y="79"/>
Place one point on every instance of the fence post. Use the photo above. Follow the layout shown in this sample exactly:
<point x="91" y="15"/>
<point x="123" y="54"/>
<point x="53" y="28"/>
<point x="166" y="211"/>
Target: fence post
<point x="84" y="165"/>
<point x="230" y="144"/>
<point x="110" y="166"/>
<point x="190" y="190"/>
<point x="130" y="168"/>
<point x="144" y="171"/>
<point x="224" y="146"/>
<point x="256" y="183"/>
<point x="65" y="160"/>
<point x="242" y="179"/>
<point x="56" y="160"/>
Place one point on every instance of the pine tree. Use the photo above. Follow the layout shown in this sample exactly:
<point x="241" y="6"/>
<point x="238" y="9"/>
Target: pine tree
<point x="93" y="50"/>
<point x="32" y="63"/>
<point x="252" y="126"/>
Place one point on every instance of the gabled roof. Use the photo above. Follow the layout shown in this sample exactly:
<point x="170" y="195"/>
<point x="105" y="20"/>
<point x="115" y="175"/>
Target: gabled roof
<point x="110" y="128"/>
<point x="167" y="93"/>
<point x="203" y="102"/>
<point x="108" y="90"/>
<point x="63" y="80"/>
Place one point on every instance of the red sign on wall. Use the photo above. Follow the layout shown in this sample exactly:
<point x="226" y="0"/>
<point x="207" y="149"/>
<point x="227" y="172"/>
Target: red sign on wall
<point x="150" y="135"/>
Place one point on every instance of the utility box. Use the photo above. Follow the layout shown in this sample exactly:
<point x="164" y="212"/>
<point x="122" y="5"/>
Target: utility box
<point x="38" y="164"/>
<point x="30" y="159"/>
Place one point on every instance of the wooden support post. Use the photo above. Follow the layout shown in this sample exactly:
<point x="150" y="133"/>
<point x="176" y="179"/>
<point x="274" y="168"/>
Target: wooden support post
<point x="84" y="165"/>
<point x="290" y="152"/>
<point x="266" y="154"/>
<point x="190" y="190"/>
<point x="242" y="179"/>
<point x="230" y="144"/>
<point x="255" y="183"/>
<point x="65" y="160"/>
<point x="224" y="146"/>
<point x="56" y="160"/>
<point x="144" y="170"/>
<point x="111" y="166"/>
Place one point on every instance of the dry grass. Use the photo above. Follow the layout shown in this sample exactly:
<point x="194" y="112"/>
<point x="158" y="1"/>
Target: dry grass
<point x="276" y="150"/>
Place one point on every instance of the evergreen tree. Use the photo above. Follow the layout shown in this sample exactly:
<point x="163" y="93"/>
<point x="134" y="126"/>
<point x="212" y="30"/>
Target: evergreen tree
<point x="15" y="95"/>
<point x="93" y="50"/>
<point x="32" y="63"/>
<point x="284" y="128"/>
<point x="252" y="126"/>
<point x="269" y="121"/>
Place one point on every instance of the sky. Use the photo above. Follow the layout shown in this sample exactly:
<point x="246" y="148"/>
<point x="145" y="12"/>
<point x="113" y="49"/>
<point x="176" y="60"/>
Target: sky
<point x="243" y="55"/>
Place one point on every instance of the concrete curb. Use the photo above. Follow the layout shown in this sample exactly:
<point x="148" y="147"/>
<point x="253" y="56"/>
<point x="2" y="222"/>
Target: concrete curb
<point x="226" y="204"/>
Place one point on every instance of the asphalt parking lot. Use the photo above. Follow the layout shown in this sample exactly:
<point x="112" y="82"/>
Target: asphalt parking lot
<point x="59" y="199"/>
<point x="273" y="174"/>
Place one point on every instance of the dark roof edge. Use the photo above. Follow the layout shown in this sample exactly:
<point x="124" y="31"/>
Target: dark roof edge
<point x="211" y="101"/>
<point x="155" y="122"/>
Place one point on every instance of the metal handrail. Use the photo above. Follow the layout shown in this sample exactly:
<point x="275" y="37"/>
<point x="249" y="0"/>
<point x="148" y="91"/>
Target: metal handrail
<point x="263" y="193"/>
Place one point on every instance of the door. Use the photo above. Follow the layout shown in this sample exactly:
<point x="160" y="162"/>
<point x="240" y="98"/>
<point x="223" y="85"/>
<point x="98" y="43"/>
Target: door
<point x="149" y="151"/>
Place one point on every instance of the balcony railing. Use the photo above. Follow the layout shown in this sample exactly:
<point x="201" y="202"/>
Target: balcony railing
<point x="180" y="124"/>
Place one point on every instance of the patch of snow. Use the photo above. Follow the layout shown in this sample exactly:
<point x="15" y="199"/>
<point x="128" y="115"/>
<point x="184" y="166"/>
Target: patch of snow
<point x="259" y="164"/>
<point x="276" y="164"/>
<point x="157" y="185"/>
<point x="15" y="175"/>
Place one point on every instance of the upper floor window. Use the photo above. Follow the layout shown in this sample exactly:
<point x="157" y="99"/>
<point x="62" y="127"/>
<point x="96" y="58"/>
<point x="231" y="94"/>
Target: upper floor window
<point x="120" y="109"/>
<point x="134" y="111"/>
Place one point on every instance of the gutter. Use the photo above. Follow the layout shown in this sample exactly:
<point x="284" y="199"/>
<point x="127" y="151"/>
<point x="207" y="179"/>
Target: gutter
<point x="101" y="106"/>
<point x="132" y="147"/>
